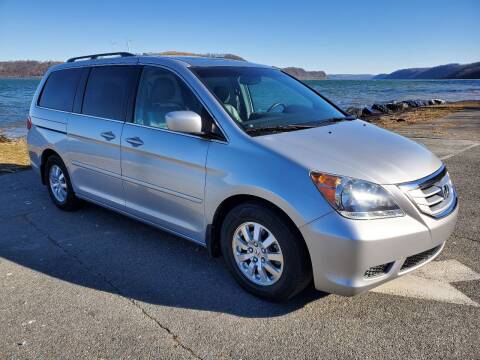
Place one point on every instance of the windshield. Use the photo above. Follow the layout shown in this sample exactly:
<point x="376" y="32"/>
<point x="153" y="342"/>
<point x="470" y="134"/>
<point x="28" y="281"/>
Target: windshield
<point x="264" y="100"/>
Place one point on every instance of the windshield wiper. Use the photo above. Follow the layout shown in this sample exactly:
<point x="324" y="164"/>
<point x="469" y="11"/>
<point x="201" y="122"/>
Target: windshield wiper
<point x="280" y="128"/>
<point x="337" y="119"/>
<point x="293" y="127"/>
<point x="333" y="120"/>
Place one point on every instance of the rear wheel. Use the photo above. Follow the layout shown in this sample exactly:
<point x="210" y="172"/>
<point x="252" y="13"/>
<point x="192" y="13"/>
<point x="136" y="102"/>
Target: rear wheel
<point x="264" y="254"/>
<point x="59" y="185"/>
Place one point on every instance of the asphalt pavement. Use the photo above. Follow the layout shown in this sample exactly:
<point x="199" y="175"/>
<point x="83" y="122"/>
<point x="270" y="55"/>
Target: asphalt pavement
<point x="97" y="285"/>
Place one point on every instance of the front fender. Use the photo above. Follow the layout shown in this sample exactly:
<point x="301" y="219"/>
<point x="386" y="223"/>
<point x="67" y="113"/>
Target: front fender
<point x="250" y="170"/>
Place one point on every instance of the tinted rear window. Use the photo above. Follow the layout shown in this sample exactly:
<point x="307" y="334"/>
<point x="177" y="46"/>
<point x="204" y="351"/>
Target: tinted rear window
<point x="106" y="91"/>
<point x="59" y="90"/>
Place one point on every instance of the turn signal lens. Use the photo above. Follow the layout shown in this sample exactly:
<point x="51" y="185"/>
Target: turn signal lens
<point x="29" y="123"/>
<point x="326" y="184"/>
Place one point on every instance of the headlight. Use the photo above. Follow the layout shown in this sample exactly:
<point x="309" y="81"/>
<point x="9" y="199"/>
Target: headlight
<point x="354" y="198"/>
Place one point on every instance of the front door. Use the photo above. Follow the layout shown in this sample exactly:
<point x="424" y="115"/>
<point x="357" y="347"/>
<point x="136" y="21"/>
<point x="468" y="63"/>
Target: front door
<point x="164" y="171"/>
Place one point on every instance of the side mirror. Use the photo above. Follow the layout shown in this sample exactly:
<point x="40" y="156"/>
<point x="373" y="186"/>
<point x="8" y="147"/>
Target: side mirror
<point x="184" y="121"/>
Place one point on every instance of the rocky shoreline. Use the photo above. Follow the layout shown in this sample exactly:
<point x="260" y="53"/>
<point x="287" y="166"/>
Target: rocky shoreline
<point x="391" y="107"/>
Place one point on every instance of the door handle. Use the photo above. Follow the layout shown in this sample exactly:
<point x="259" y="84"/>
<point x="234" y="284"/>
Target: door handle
<point x="135" y="141"/>
<point x="108" y="135"/>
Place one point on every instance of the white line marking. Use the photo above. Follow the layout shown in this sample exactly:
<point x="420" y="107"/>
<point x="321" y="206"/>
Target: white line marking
<point x="458" y="152"/>
<point x="432" y="282"/>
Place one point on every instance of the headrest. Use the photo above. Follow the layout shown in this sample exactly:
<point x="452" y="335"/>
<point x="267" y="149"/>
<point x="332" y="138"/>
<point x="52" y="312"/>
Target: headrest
<point x="222" y="93"/>
<point x="163" y="90"/>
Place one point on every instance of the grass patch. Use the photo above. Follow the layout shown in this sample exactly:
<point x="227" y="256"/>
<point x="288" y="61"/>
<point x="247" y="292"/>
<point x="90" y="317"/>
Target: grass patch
<point x="13" y="155"/>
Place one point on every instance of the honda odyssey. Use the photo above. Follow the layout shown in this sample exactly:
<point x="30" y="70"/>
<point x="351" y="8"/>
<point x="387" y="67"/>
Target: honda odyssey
<point x="245" y="160"/>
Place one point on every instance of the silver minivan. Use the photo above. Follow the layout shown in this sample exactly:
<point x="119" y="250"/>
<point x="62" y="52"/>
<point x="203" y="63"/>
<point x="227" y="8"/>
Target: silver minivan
<point x="245" y="160"/>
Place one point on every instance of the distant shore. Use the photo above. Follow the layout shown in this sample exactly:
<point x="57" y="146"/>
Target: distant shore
<point x="14" y="152"/>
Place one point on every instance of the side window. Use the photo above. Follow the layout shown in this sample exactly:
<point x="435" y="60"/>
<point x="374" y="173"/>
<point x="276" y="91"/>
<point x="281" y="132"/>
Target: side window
<point x="107" y="90"/>
<point x="161" y="91"/>
<point x="59" y="90"/>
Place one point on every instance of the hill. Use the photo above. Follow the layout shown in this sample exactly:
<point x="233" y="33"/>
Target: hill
<point x="448" y="71"/>
<point x="31" y="68"/>
<point x="186" y="53"/>
<point x="24" y="68"/>
<point x="302" y="74"/>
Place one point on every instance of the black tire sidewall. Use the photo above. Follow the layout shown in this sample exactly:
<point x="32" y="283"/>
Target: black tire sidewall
<point x="294" y="272"/>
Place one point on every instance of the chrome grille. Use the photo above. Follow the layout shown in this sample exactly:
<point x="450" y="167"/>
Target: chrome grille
<point x="434" y="195"/>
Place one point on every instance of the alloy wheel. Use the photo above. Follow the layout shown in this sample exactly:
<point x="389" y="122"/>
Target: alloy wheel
<point x="58" y="183"/>
<point x="257" y="254"/>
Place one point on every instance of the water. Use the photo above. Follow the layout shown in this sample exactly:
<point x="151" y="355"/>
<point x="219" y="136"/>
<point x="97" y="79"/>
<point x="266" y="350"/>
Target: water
<point x="359" y="93"/>
<point x="16" y="95"/>
<point x="15" y="98"/>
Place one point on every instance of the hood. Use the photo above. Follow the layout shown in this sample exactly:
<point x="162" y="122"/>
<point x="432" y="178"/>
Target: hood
<point x="357" y="149"/>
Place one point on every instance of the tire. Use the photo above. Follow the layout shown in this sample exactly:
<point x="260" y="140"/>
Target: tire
<point x="294" y="267"/>
<point x="68" y="202"/>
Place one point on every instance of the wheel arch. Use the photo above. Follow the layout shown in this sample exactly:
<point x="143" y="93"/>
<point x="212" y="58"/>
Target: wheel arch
<point x="43" y="161"/>
<point x="213" y="229"/>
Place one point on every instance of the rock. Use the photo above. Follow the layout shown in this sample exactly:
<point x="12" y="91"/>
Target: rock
<point x="4" y="139"/>
<point x="366" y="111"/>
<point x="421" y="103"/>
<point x="391" y="106"/>
<point x="354" y="111"/>
<point x="396" y="106"/>
<point x="413" y="103"/>
<point x="381" y="108"/>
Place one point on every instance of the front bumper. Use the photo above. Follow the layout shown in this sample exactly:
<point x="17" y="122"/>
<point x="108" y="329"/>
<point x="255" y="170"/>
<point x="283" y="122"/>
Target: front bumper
<point x="342" y="250"/>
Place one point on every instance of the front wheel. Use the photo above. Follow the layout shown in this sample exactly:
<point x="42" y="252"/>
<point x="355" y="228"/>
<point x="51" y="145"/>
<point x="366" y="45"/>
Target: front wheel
<point x="264" y="254"/>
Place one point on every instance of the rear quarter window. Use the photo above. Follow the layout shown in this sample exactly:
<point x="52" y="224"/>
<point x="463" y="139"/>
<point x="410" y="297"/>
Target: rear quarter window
<point x="59" y="90"/>
<point x="107" y="90"/>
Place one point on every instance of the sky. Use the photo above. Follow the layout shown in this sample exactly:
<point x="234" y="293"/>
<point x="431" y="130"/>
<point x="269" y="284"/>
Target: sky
<point x="335" y="36"/>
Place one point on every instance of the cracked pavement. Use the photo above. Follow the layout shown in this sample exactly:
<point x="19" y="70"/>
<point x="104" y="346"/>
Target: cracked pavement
<point x="96" y="285"/>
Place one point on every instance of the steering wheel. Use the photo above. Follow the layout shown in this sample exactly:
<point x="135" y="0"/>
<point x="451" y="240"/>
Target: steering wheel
<point x="275" y="105"/>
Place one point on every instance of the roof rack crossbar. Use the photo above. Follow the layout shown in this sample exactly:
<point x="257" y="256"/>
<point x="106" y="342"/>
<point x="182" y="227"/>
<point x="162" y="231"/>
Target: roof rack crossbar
<point x="96" y="56"/>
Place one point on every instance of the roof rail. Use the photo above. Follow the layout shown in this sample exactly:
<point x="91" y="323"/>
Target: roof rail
<point x="96" y="56"/>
